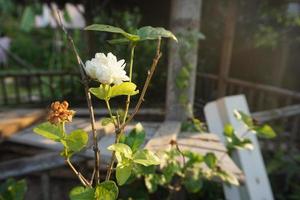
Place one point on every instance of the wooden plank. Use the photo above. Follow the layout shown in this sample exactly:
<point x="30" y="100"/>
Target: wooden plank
<point x="257" y="186"/>
<point x="167" y="131"/>
<point x="41" y="162"/>
<point x="12" y="121"/>
<point x="203" y="143"/>
<point x="228" y="40"/>
<point x="268" y="115"/>
<point x="196" y="142"/>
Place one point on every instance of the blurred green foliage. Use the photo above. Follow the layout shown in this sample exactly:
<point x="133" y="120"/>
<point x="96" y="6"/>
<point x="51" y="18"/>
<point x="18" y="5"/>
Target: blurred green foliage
<point x="13" y="190"/>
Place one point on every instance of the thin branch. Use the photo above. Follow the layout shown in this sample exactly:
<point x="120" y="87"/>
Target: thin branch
<point x="88" y="97"/>
<point x="113" y="155"/>
<point x="133" y="45"/>
<point x="78" y="174"/>
<point x="146" y="85"/>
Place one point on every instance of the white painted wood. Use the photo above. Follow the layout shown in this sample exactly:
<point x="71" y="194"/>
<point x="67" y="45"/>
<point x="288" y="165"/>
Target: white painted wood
<point x="257" y="186"/>
<point x="161" y="140"/>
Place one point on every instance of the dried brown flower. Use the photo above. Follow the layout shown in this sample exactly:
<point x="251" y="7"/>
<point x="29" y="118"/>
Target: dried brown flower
<point x="59" y="113"/>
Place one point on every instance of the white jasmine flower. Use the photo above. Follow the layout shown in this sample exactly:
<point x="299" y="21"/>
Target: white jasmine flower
<point x="106" y="69"/>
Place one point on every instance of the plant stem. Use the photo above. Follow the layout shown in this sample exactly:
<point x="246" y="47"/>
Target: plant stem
<point x="84" y="79"/>
<point x="120" y="128"/>
<point x="113" y="156"/>
<point x="78" y="174"/>
<point x="146" y="85"/>
<point x="133" y="45"/>
<point x="110" y="112"/>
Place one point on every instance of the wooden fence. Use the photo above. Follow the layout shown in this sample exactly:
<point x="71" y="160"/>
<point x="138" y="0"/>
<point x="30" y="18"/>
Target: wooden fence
<point x="286" y="122"/>
<point x="276" y="106"/>
<point x="38" y="88"/>
<point x="259" y="96"/>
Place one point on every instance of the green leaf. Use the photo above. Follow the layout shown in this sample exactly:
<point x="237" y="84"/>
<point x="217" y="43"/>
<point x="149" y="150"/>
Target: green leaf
<point x="121" y="148"/>
<point x="235" y="142"/>
<point x="153" y="33"/>
<point x="227" y="177"/>
<point x="112" y="29"/>
<point x="170" y="170"/>
<point x="125" y="88"/>
<point x="101" y="92"/>
<point x="136" y="137"/>
<point x="240" y="115"/>
<point x="265" y="131"/>
<point x="107" y="190"/>
<point x="193" y="184"/>
<point x="13" y="190"/>
<point x="152" y="181"/>
<point x="146" y="158"/>
<point x="210" y="160"/>
<point x="77" y="140"/>
<point x="228" y="130"/>
<point x="193" y="158"/>
<point x="82" y="193"/>
<point x="123" y="172"/>
<point x="119" y="41"/>
<point x="28" y="17"/>
<point x="106" y="120"/>
<point x="49" y="131"/>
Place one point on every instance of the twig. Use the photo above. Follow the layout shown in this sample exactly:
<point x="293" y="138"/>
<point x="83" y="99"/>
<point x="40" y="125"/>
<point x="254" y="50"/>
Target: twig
<point x="113" y="155"/>
<point x="78" y="174"/>
<point x="88" y="98"/>
<point x="174" y="143"/>
<point x="146" y="85"/>
<point x="133" y="45"/>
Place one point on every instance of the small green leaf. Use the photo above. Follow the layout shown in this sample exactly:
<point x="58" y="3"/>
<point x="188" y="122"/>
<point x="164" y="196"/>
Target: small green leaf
<point x="13" y="190"/>
<point x="228" y="130"/>
<point x="49" y="131"/>
<point x="240" y="115"/>
<point x="28" y="17"/>
<point x="193" y="158"/>
<point x="125" y="88"/>
<point x="265" y="131"/>
<point x="121" y="148"/>
<point x="101" y="92"/>
<point x="193" y="184"/>
<point x="152" y="181"/>
<point x="146" y="158"/>
<point x="112" y="29"/>
<point x="123" y="172"/>
<point x="170" y="170"/>
<point x="227" y="177"/>
<point x="210" y="160"/>
<point x="82" y="193"/>
<point x="107" y="190"/>
<point x="106" y="120"/>
<point x="153" y="33"/>
<point x="77" y="140"/>
<point x="136" y="137"/>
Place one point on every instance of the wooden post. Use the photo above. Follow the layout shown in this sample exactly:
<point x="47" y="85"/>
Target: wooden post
<point x="185" y="22"/>
<point x="229" y="29"/>
<point x="257" y="186"/>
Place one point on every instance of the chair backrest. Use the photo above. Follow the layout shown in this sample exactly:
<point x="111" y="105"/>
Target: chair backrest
<point x="257" y="186"/>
